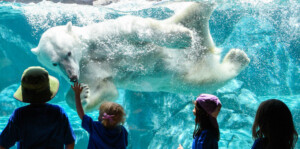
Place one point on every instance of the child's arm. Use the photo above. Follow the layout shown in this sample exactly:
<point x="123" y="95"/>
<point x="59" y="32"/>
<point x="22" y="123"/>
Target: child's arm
<point x="77" y="89"/>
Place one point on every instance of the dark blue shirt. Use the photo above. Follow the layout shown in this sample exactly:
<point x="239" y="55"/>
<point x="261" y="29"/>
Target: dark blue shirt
<point x="104" y="138"/>
<point x="38" y="126"/>
<point x="258" y="144"/>
<point x="206" y="140"/>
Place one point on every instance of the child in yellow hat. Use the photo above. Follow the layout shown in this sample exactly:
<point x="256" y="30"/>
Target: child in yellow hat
<point x="39" y="124"/>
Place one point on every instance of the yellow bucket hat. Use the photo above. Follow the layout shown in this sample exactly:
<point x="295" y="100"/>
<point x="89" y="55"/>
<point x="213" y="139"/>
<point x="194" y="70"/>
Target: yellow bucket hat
<point x="37" y="86"/>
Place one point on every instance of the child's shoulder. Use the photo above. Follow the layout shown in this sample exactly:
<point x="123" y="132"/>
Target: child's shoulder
<point x="124" y="129"/>
<point x="209" y="133"/>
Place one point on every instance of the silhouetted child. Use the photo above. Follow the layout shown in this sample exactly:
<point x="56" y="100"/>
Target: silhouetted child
<point x="106" y="133"/>
<point x="273" y="127"/>
<point x="206" y="133"/>
<point x="39" y="124"/>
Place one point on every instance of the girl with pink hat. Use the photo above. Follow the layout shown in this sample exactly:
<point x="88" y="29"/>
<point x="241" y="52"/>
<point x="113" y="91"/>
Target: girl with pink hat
<point x="206" y="133"/>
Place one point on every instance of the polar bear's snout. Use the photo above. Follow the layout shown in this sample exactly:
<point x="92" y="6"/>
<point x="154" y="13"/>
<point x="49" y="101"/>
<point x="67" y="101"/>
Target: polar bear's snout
<point x="70" y="68"/>
<point x="74" y="78"/>
<point x="72" y="74"/>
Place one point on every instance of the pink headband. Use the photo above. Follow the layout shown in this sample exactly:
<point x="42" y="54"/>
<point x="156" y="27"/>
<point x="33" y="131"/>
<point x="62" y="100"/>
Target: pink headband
<point x="107" y="117"/>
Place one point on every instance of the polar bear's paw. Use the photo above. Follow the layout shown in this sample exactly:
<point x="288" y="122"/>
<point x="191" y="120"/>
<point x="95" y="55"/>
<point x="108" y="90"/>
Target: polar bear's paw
<point x="85" y="93"/>
<point x="237" y="57"/>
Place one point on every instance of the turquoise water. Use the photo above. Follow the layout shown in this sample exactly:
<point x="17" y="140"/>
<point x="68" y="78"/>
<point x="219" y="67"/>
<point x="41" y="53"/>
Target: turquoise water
<point x="268" y="31"/>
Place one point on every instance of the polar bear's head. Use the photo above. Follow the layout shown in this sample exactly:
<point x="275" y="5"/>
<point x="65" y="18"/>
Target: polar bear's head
<point x="59" y="50"/>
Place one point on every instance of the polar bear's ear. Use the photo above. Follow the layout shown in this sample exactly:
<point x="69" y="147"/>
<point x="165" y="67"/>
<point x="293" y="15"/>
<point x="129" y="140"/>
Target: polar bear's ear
<point x="35" y="51"/>
<point x="69" y="27"/>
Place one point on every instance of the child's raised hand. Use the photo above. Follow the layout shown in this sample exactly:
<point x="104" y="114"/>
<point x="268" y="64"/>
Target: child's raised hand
<point x="180" y="147"/>
<point x="77" y="88"/>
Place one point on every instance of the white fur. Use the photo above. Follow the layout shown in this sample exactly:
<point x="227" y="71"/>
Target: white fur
<point x="176" y="55"/>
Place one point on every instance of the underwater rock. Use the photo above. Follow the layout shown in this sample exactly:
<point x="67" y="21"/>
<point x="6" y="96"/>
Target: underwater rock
<point x="164" y="118"/>
<point x="271" y="67"/>
<point x="7" y="102"/>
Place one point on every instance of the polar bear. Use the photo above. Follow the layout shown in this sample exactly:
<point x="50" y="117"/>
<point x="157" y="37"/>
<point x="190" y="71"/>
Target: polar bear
<point x="175" y="55"/>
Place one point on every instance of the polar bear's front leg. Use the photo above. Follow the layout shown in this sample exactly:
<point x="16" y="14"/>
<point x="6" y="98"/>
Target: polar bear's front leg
<point x="97" y="92"/>
<point x="93" y="95"/>
<point x="85" y="94"/>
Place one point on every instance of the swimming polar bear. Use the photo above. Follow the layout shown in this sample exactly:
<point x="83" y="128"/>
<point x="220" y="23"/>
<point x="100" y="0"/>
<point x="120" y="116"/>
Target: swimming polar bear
<point x="175" y="55"/>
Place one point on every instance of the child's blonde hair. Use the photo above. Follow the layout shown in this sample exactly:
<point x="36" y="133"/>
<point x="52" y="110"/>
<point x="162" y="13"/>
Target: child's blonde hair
<point x="114" y="111"/>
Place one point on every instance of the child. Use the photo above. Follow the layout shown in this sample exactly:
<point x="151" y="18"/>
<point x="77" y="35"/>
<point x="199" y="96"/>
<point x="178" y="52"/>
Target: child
<point x="206" y="134"/>
<point x="106" y="133"/>
<point x="273" y="127"/>
<point x="39" y="124"/>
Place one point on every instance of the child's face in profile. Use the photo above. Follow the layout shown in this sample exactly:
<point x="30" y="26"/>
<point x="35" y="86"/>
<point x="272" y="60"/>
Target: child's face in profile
<point x="194" y="110"/>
